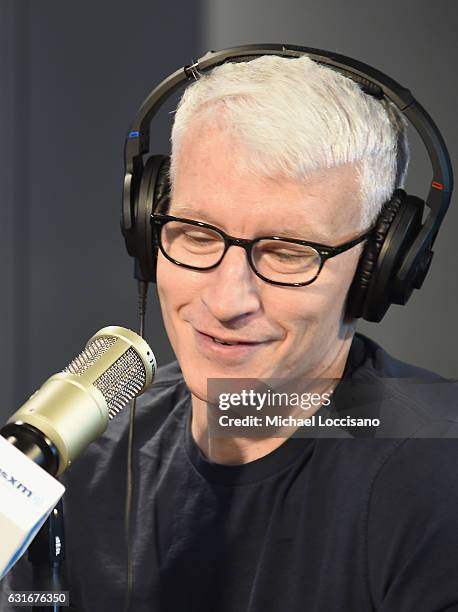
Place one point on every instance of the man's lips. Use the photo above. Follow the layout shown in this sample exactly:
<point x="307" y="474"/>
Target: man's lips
<point x="238" y="350"/>
<point x="231" y="339"/>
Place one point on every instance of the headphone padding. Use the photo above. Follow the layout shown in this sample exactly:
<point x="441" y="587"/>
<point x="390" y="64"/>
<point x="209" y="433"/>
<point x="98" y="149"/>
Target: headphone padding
<point x="162" y="186"/>
<point x="368" y="261"/>
<point x="160" y="198"/>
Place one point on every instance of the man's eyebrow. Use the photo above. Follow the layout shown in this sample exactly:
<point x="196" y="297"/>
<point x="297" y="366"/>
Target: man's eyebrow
<point x="196" y="214"/>
<point x="182" y="210"/>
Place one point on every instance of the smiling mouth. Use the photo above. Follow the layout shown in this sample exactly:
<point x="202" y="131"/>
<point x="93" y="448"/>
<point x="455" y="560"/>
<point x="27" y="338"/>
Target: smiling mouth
<point x="229" y="342"/>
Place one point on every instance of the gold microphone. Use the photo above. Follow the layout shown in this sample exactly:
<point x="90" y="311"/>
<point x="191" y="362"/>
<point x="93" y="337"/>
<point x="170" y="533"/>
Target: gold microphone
<point x="72" y="408"/>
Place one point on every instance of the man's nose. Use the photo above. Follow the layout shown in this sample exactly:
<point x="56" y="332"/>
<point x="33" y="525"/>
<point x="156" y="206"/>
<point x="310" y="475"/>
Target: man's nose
<point x="232" y="289"/>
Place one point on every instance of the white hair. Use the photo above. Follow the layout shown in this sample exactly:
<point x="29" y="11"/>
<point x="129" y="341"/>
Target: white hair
<point x="295" y="116"/>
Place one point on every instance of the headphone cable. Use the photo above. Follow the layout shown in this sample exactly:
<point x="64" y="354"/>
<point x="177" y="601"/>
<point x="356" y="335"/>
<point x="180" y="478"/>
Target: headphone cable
<point x="142" y="298"/>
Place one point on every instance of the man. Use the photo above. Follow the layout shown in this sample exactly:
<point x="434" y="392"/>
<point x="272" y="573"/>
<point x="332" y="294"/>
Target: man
<point x="271" y="148"/>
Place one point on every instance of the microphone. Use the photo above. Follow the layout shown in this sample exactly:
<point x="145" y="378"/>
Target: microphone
<point x="57" y="423"/>
<point x="72" y="408"/>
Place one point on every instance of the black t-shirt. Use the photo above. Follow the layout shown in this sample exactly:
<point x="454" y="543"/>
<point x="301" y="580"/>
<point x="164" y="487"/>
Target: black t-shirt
<point x="316" y="525"/>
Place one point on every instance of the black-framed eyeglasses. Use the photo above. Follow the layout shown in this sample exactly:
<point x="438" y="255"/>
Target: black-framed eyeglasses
<point x="288" y="262"/>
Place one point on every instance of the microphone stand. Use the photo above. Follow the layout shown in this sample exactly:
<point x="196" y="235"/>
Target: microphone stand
<point x="47" y="553"/>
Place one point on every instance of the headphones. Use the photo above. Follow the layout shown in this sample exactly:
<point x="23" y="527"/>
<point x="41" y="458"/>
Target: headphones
<point x="397" y="255"/>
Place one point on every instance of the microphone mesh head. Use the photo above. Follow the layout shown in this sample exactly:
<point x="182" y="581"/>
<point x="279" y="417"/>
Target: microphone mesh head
<point x="93" y="351"/>
<point x="121" y="381"/>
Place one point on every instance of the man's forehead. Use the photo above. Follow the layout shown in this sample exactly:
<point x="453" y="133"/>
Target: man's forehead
<point x="213" y="184"/>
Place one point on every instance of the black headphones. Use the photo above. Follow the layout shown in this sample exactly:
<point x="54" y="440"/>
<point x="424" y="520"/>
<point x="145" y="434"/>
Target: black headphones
<point x="397" y="255"/>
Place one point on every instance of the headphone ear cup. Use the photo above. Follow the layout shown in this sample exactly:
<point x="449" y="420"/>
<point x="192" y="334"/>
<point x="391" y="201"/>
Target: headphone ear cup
<point x="153" y="186"/>
<point x="397" y="226"/>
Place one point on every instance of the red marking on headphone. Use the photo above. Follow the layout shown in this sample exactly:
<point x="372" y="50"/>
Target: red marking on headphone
<point x="437" y="185"/>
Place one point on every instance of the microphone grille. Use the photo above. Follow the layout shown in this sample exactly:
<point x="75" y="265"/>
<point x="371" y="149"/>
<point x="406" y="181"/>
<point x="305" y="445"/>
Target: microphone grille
<point x="92" y="353"/>
<point x="121" y="381"/>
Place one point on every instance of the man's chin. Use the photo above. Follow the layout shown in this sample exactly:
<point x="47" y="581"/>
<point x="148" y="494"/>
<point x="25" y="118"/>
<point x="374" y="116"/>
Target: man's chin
<point x="210" y="393"/>
<point x="200" y="375"/>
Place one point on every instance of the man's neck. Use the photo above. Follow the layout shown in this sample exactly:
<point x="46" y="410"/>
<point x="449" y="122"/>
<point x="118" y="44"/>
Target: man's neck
<point x="236" y="451"/>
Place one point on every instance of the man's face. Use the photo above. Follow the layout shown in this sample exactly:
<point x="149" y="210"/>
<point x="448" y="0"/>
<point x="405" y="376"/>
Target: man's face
<point x="291" y="331"/>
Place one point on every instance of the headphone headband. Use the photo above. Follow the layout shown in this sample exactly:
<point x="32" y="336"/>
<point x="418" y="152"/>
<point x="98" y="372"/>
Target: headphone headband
<point x="373" y="82"/>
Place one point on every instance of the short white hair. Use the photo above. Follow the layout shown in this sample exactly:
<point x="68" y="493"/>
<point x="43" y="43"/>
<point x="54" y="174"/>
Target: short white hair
<point x="295" y="116"/>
